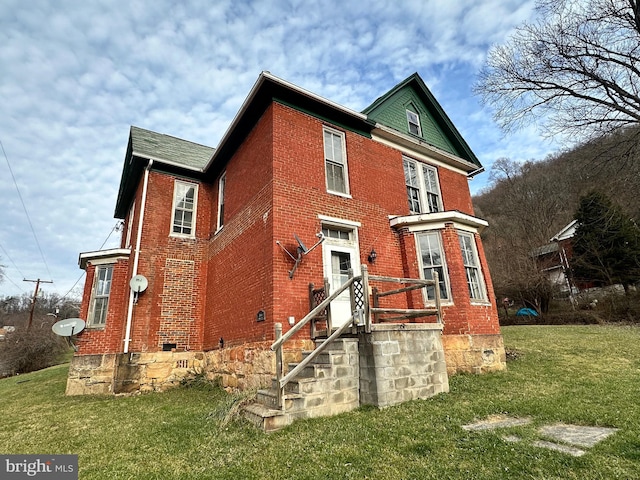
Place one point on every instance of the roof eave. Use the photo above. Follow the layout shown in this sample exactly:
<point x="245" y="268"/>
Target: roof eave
<point x="425" y="148"/>
<point x="266" y="79"/>
<point x="422" y="88"/>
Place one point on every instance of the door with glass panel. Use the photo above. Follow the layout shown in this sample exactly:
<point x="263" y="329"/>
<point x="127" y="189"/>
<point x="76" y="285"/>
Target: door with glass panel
<point x="340" y="254"/>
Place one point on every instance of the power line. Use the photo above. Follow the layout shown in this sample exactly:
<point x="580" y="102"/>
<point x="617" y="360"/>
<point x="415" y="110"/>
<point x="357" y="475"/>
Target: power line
<point x="5" y="276"/>
<point x="115" y="228"/>
<point x="25" y="210"/>
<point x="6" y="254"/>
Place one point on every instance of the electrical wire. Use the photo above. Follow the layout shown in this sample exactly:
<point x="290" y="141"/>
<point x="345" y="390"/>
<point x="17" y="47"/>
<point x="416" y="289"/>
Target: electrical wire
<point x="6" y="254"/>
<point x="115" y="228"/>
<point x="6" y="277"/>
<point x="25" y="211"/>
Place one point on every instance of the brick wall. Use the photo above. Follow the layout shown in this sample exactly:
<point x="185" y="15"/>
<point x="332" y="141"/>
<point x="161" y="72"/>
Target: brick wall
<point x="171" y="310"/>
<point x="240" y="254"/>
<point x="377" y="186"/>
<point x="107" y="339"/>
<point x="213" y="286"/>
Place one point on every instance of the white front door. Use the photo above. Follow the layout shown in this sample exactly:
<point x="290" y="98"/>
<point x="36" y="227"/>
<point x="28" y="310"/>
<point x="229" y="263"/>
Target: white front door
<point x="340" y="255"/>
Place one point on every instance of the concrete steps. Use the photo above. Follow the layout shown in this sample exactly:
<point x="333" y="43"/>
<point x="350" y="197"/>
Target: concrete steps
<point x="327" y="386"/>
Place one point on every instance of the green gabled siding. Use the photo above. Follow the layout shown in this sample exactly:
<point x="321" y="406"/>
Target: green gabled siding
<point x="392" y="113"/>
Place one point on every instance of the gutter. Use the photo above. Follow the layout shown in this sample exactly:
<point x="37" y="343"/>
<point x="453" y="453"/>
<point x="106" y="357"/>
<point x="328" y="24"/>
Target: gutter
<point x="136" y="258"/>
<point x="475" y="172"/>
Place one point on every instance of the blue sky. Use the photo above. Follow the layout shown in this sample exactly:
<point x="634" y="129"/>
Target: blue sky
<point x="74" y="75"/>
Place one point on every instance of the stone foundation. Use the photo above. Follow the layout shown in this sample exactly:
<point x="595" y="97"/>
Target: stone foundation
<point x="474" y="353"/>
<point x="399" y="363"/>
<point x="250" y="366"/>
<point x="244" y="367"/>
<point x="131" y="372"/>
<point x="91" y="374"/>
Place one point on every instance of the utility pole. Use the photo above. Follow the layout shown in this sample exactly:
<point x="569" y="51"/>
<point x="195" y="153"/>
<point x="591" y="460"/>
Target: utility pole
<point x="35" y="296"/>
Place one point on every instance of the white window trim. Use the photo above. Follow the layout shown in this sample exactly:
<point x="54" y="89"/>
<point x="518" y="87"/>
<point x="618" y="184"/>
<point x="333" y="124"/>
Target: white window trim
<point x="409" y="122"/>
<point x="437" y="221"/>
<point x="222" y="185"/>
<point x="422" y="185"/>
<point x="447" y="284"/>
<point x="481" y="283"/>
<point x="338" y="222"/>
<point x="92" y="304"/>
<point x="195" y="209"/>
<point x="347" y="192"/>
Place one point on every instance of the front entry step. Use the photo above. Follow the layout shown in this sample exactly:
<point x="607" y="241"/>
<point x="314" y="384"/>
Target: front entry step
<point x="328" y="386"/>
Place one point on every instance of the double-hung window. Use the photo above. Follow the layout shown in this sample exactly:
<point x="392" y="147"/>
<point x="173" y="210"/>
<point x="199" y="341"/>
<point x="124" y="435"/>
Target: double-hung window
<point x="335" y="159"/>
<point x="222" y="181"/>
<point x="423" y="193"/>
<point x="100" y="301"/>
<point x="432" y="260"/>
<point x="413" y="120"/>
<point x="184" y="209"/>
<point x="471" y="266"/>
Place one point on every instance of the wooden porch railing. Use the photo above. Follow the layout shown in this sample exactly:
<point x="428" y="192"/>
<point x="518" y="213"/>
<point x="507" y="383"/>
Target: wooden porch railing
<point x="360" y="316"/>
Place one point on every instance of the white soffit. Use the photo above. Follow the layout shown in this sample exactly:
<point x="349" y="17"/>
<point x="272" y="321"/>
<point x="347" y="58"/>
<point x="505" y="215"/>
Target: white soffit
<point x="438" y="220"/>
<point x="102" y="256"/>
<point x="421" y="150"/>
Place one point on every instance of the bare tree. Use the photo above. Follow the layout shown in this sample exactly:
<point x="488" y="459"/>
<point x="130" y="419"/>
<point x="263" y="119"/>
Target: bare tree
<point x="576" y="69"/>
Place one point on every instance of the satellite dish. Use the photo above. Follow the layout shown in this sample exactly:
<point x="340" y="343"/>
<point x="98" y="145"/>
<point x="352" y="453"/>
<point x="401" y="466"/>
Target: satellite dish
<point x="68" y="327"/>
<point x="303" y="248"/>
<point x="139" y="283"/>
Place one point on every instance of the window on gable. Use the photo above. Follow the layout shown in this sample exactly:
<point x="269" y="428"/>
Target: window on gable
<point x="432" y="260"/>
<point x="413" y="121"/>
<point x="335" y="159"/>
<point x="184" y="209"/>
<point x="423" y="193"/>
<point x="221" y="186"/>
<point x="100" y="300"/>
<point x="471" y="266"/>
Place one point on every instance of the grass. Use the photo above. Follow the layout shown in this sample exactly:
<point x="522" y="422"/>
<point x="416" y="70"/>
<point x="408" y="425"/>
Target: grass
<point x="587" y="375"/>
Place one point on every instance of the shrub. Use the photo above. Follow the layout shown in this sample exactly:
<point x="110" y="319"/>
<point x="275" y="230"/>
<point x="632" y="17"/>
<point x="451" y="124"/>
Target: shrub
<point x="25" y="351"/>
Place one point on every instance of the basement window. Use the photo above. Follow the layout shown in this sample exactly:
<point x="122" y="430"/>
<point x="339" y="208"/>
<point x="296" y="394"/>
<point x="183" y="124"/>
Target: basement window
<point x="168" y="347"/>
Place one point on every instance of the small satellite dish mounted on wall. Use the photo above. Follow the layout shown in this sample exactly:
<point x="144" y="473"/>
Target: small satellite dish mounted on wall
<point x="68" y="328"/>
<point x="301" y="250"/>
<point x="138" y="284"/>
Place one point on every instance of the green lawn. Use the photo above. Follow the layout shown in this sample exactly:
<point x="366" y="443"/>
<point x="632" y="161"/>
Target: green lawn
<point x="587" y="375"/>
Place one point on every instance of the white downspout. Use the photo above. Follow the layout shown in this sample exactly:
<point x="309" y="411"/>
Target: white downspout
<point x="136" y="257"/>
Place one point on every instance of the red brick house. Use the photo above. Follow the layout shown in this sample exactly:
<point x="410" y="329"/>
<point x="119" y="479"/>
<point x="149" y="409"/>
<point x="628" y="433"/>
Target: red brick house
<point x="210" y="229"/>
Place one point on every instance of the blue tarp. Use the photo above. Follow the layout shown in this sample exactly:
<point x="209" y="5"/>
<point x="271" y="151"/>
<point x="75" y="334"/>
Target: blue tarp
<point x="526" y="312"/>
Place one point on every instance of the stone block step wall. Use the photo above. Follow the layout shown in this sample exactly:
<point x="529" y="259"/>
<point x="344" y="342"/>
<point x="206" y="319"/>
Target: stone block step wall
<point x="394" y="363"/>
<point x="328" y="386"/>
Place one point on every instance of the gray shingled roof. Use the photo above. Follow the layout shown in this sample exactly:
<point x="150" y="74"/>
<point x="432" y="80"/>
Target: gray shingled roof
<point x="170" y="149"/>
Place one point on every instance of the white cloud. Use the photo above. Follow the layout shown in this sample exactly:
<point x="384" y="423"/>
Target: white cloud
<point x="77" y="74"/>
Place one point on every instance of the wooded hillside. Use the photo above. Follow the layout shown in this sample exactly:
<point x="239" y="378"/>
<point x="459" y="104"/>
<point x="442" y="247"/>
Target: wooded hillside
<point x="528" y="203"/>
